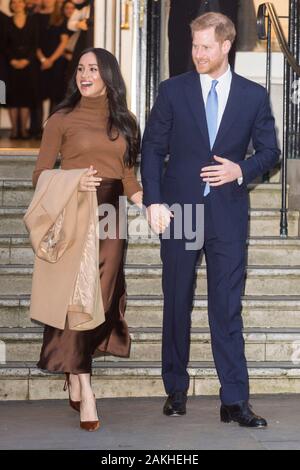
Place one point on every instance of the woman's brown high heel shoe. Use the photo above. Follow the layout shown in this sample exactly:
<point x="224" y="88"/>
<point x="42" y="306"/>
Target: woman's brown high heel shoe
<point x="73" y="404"/>
<point x="90" y="425"/>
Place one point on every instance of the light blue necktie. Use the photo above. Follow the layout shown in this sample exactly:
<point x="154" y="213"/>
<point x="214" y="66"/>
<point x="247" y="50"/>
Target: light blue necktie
<point x="212" y="120"/>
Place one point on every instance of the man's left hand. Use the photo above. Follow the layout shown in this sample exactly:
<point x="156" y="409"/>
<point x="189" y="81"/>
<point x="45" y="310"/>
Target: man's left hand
<point x="217" y="175"/>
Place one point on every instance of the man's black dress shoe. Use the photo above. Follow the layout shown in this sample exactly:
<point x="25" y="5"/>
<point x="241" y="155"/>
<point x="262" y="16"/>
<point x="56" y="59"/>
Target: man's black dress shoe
<point x="242" y="413"/>
<point x="176" y="404"/>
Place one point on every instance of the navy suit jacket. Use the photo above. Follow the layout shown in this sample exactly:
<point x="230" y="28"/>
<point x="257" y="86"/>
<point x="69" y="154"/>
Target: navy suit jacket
<point x="177" y="126"/>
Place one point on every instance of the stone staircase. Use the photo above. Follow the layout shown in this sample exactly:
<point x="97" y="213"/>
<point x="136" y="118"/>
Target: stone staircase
<point x="271" y="304"/>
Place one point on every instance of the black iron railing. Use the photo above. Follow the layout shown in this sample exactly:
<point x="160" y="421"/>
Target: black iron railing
<point x="267" y="19"/>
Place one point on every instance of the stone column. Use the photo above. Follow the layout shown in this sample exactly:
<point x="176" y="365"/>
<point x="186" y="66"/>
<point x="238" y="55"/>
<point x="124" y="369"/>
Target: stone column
<point x="292" y="141"/>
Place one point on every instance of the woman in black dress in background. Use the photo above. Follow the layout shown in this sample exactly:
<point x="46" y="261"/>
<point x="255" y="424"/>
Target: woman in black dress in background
<point x="53" y="37"/>
<point x="3" y="66"/>
<point x="20" y="48"/>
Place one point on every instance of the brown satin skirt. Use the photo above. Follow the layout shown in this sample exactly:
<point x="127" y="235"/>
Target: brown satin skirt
<point x="72" y="351"/>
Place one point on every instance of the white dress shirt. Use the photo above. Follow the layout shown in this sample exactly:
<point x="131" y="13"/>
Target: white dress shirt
<point x="222" y="89"/>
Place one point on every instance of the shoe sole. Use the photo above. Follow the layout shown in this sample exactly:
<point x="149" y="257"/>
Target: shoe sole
<point x="174" y="414"/>
<point x="91" y="429"/>
<point x="244" y="425"/>
<point x="254" y="427"/>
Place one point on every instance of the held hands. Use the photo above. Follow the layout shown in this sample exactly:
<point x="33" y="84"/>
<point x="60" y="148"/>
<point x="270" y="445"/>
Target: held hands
<point x="137" y="198"/>
<point x="159" y="217"/>
<point x="89" y="182"/>
<point x="217" y="175"/>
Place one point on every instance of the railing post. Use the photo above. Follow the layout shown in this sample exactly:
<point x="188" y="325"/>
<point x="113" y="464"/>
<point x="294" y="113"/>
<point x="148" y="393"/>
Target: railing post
<point x="283" y="210"/>
<point x="153" y="51"/>
<point x="291" y="140"/>
<point x="294" y="43"/>
<point x="266" y="176"/>
<point x="269" y="56"/>
<point x="291" y="86"/>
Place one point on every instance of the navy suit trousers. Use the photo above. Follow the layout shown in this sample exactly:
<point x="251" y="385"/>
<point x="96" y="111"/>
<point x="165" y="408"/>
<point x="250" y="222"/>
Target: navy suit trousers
<point x="226" y="265"/>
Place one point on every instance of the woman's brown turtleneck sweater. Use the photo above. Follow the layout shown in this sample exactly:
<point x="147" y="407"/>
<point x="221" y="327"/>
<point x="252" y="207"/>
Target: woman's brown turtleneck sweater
<point x="81" y="139"/>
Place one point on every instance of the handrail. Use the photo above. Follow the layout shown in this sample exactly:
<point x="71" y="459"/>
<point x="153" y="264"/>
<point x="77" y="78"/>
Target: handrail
<point x="291" y="115"/>
<point x="268" y="9"/>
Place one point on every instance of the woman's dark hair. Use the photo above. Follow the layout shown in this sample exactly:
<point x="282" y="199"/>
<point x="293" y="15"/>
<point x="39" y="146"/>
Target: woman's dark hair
<point x="120" y="118"/>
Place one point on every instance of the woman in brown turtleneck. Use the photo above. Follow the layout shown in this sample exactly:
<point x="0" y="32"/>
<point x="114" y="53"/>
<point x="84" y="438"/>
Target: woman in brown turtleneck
<point x="93" y="128"/>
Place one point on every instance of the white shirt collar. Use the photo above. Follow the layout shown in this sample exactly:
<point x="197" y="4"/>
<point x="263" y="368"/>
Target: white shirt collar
<point x="224" y="79"/>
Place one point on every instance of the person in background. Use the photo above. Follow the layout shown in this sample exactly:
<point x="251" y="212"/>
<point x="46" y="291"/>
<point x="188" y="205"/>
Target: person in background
<point x="68" y="8"/>
<point x="5" y="13"/>
<point x="20" y="48"/>
<point x="3" y="64"/>
<point x="4" y="7"/>
<point x="180" y="40"/>
<point x="53" y="37"/>
<point x="79" y="22"/>
<point x="33" y="6"/>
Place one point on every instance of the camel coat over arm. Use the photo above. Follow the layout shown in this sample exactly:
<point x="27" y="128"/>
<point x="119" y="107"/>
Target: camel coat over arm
<point x="63" y="227"/>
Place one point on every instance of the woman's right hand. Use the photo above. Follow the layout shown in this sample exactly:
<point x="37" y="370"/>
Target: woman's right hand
<point x="89" y="182"/>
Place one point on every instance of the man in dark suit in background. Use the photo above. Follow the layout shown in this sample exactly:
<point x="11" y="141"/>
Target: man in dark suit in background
<point x="182" y="12"/>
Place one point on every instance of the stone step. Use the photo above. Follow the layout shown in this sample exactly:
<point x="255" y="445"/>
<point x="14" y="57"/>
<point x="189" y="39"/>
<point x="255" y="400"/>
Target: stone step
<point x="263" y="222"/>
<point x="265" y="196"/>
<point x="261" y="251"/>
<point x="16" y="279"/>
<point x="23" y="381"/>
<point x="17" y="163"/>
<point x="146" y="311"/>
<point x="274" y="174"/>
<point x="261" y="345"/>
<point x="260" y="280"/>
<point x="18" y="193"/>
<point x="267" y="223"/>
<point x="262" y="312"/>
<point x="15" y="193"/>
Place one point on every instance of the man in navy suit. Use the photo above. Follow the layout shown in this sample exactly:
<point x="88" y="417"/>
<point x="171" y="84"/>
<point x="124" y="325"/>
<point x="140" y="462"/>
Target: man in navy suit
<point x="204" y="120"/>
